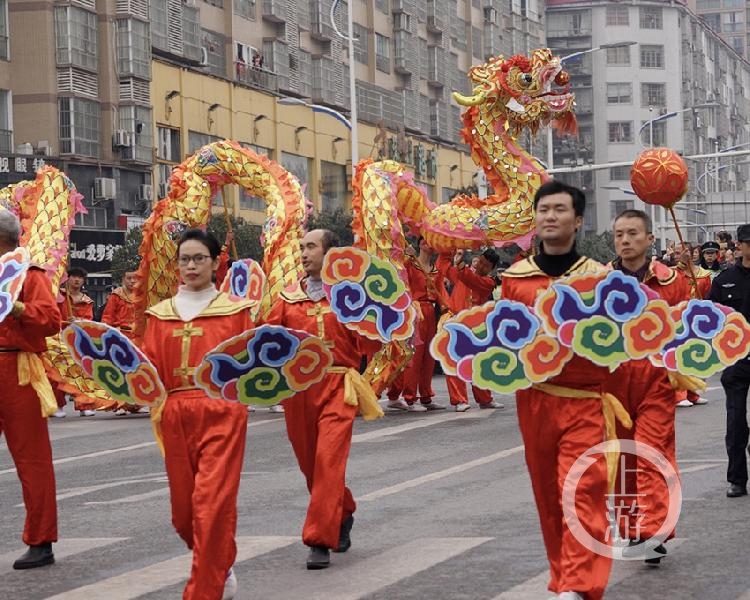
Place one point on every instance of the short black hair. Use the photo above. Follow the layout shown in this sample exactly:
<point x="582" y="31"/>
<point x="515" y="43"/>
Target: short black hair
<point x="207" y="239"/>
<point x="724" y="236"/>
<point x="556" y="187"/>
<point x="491" y="256"/>
<point x="77" y="272"/>
<point x="634" y="213"/>
<point x="329" y="240"/>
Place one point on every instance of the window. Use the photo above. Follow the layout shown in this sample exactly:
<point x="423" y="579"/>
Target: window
<point x="245" y="9"/>
<point x="618" y="56"/>
<point x="168" y="144"/>
<point x="159" y="24"/>
<point x="75" y="35"/>
<point x="213" y="44"/>
<point x="196" y="141"/>
<point x="653" y="94"/>
<point x="361" y="43"/>
<point x="620" y="206"/>
<point x="247" y="200"/>
<point x="651" y="17"/>
<point x="710" y="4"/>
<point x="655" y="134"/>
<point x="619" y="174"/>
<point x="617" y="16"/>
<point x="738" y="45"/>
<point x="713" y="20"/>
<point x="382" y="6"/>
<point x="619" y="93"/>
<point x="133" y="48"/>
<point x="297" y="165"/>
<point x="332" y="186"/>
<point x="620" y="131"/>
<point x="4" y="46"/>
<point x="137" y="120"/>
<point x="382" y="53"/>
<point x="6" y="126"/>
<point x="80" y="124"/>
<point x="652" y="57"/>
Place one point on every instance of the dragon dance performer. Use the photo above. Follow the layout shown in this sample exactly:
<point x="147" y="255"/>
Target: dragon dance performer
<point x="74" y="304"/>
<point x="22" y="338"/>
<point x="320" y="420"/>
<point x="119" y="312"/>
<point x="561" y="419"/>
<point x="204" y="439"/>
<point x="471" y="287"/>
<point x="647" y="394"/>
<point x="427" y="288"/>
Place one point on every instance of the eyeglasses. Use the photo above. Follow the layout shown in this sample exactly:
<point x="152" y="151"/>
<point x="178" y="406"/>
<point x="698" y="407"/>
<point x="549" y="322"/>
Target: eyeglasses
<point x="196" y="259"/>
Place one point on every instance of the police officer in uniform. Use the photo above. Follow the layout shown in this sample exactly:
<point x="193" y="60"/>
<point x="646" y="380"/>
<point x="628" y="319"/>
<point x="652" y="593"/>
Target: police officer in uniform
<point x="732" y="288"/>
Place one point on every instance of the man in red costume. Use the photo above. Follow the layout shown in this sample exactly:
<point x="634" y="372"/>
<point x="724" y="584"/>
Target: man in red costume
<point x="428" y="291"/>
<point x="562" y="418"/>
<point x="203" y="438"/>
<point x="647" y="395"/>
<point x="472" y="286"/>
<point x="319" y="420"/>
<point x="120" y="313"/>
<point x="22" y="339"/>
<point x="74" y="304"/>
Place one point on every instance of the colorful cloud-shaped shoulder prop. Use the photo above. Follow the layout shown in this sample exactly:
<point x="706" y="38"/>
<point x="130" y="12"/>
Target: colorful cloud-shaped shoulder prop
<point x="499" y="346"/>
<point x="245" y="279"/>
<point x="709" y="337"/>
<point x="114" y="363"/>
<point x="608" y="318"/>
<point x="367" y="295"/>
<point x="263" y="366"/>
<point x="13" y="267"/>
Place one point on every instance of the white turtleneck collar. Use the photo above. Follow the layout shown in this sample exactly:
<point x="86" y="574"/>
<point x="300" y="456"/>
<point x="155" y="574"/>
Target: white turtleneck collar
<point x="190" y="304"/>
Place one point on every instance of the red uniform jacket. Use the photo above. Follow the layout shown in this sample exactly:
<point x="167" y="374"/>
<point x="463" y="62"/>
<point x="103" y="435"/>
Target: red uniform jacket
<point x="81" y="309"/>
<point x="120" y="311"/>
<point x="40" y="317"/>
<point x="425" y="286"/>
<point x="469" y="289"/>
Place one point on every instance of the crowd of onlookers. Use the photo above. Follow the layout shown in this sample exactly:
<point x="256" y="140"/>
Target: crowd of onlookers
<point x="715" y="255"/>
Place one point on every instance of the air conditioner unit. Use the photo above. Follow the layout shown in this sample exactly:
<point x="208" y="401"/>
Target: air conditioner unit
<point x="43" y="148"/>
<point x="145" y="192"/>
<point x="105" y="188"/>
<point x="121" y="139"/>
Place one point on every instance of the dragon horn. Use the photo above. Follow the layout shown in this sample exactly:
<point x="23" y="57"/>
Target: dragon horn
<point x="478" y="97"/>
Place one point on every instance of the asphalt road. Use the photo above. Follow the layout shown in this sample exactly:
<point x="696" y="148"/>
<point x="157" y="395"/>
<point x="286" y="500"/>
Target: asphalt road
<point x="445" y="512"/>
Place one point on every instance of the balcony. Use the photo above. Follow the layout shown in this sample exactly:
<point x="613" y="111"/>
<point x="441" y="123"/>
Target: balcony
<point x="255" y="77"/>
<point x="274" y="11"/>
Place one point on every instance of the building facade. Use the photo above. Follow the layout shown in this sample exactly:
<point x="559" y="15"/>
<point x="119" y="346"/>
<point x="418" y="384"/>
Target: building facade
<point x="676" y="83"/>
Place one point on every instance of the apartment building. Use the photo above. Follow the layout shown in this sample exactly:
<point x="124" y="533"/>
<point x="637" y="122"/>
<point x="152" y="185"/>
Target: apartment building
<point x="728" y="18"/>
<point x="671" y="81"/>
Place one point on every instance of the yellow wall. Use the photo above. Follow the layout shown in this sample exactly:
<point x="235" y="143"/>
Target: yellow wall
<point x="235" y="119"/>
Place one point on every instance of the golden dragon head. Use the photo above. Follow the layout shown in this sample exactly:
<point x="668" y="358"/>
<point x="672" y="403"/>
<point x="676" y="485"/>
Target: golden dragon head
<point x="523" y="92"/>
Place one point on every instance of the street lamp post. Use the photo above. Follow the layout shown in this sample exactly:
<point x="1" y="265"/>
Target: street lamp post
<point x="550" y="157"/>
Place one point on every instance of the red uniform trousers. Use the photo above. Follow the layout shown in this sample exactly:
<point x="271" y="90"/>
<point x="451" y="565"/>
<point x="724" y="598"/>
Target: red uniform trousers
<point x="418" y="373"/>
<point x="645" y="392"/>
<point x="457" y="392"/>
<point x="319" y="425"/>
<point x="28" y="442"/>
<point x="556" y="431"/>
<point x="204" y="446"/>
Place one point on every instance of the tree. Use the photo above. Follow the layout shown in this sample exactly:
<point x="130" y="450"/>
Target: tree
<point x="599" y="246"/>
<point x="246" y="235"/>
<point x="339" y="221"/>
<point x="126" y="258"/>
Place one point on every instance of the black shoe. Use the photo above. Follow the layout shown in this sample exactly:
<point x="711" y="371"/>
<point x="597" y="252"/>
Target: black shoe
<point x="319" y="558"/>
<point x="345" y="540"/>
<point x="643" y="549"/>
<point x="657" y="554"/>
<point x="36" y="556"/>
<point x="735" y="490"/>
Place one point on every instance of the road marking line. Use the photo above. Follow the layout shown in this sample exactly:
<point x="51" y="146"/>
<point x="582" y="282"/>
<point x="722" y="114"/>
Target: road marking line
<point x="416" y="424"/>
<point x="133" y="498"/>
<point x="365" y="576"/>
<point x="411" y="483"/>
<point x="696" y="468"/>
<point x="536" y="587"/>
<point x="138" y="582"/>
<point x="63" y="549"/>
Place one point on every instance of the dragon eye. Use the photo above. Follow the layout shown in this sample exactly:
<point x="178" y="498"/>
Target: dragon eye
<point x="526" y="78"/>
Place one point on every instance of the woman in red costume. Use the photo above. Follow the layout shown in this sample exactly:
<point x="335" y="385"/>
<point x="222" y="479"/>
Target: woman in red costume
<point x="204" y="439"/>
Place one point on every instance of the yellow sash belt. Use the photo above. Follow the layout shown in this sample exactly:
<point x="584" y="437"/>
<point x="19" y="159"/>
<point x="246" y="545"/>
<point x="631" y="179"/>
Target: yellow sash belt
<point x="613" y="411"/>
<point x="357" y="392"/>
<point x="686" y="382"/>
<point x="31" y="372"/>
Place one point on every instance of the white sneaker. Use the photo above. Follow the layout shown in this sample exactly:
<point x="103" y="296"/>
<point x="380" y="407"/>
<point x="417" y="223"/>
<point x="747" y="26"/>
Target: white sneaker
<point x="492" y="404"/>
<point x="276" y="408"/>
<point x="701" y="400"/>
<point x="143" y="410"/>
<point x="684" y="403"/>
<point x="86" y="413"/>
<point x="250" y="408"/>
<point x="399" y="404"/>
<point x="464" y="406"/>
<point x="59" y="414"/>
<point x="417" y="407"/>
<point x="121" y="412"/>
<point x="570" y="596"/>
<point x="230" y="586"/>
